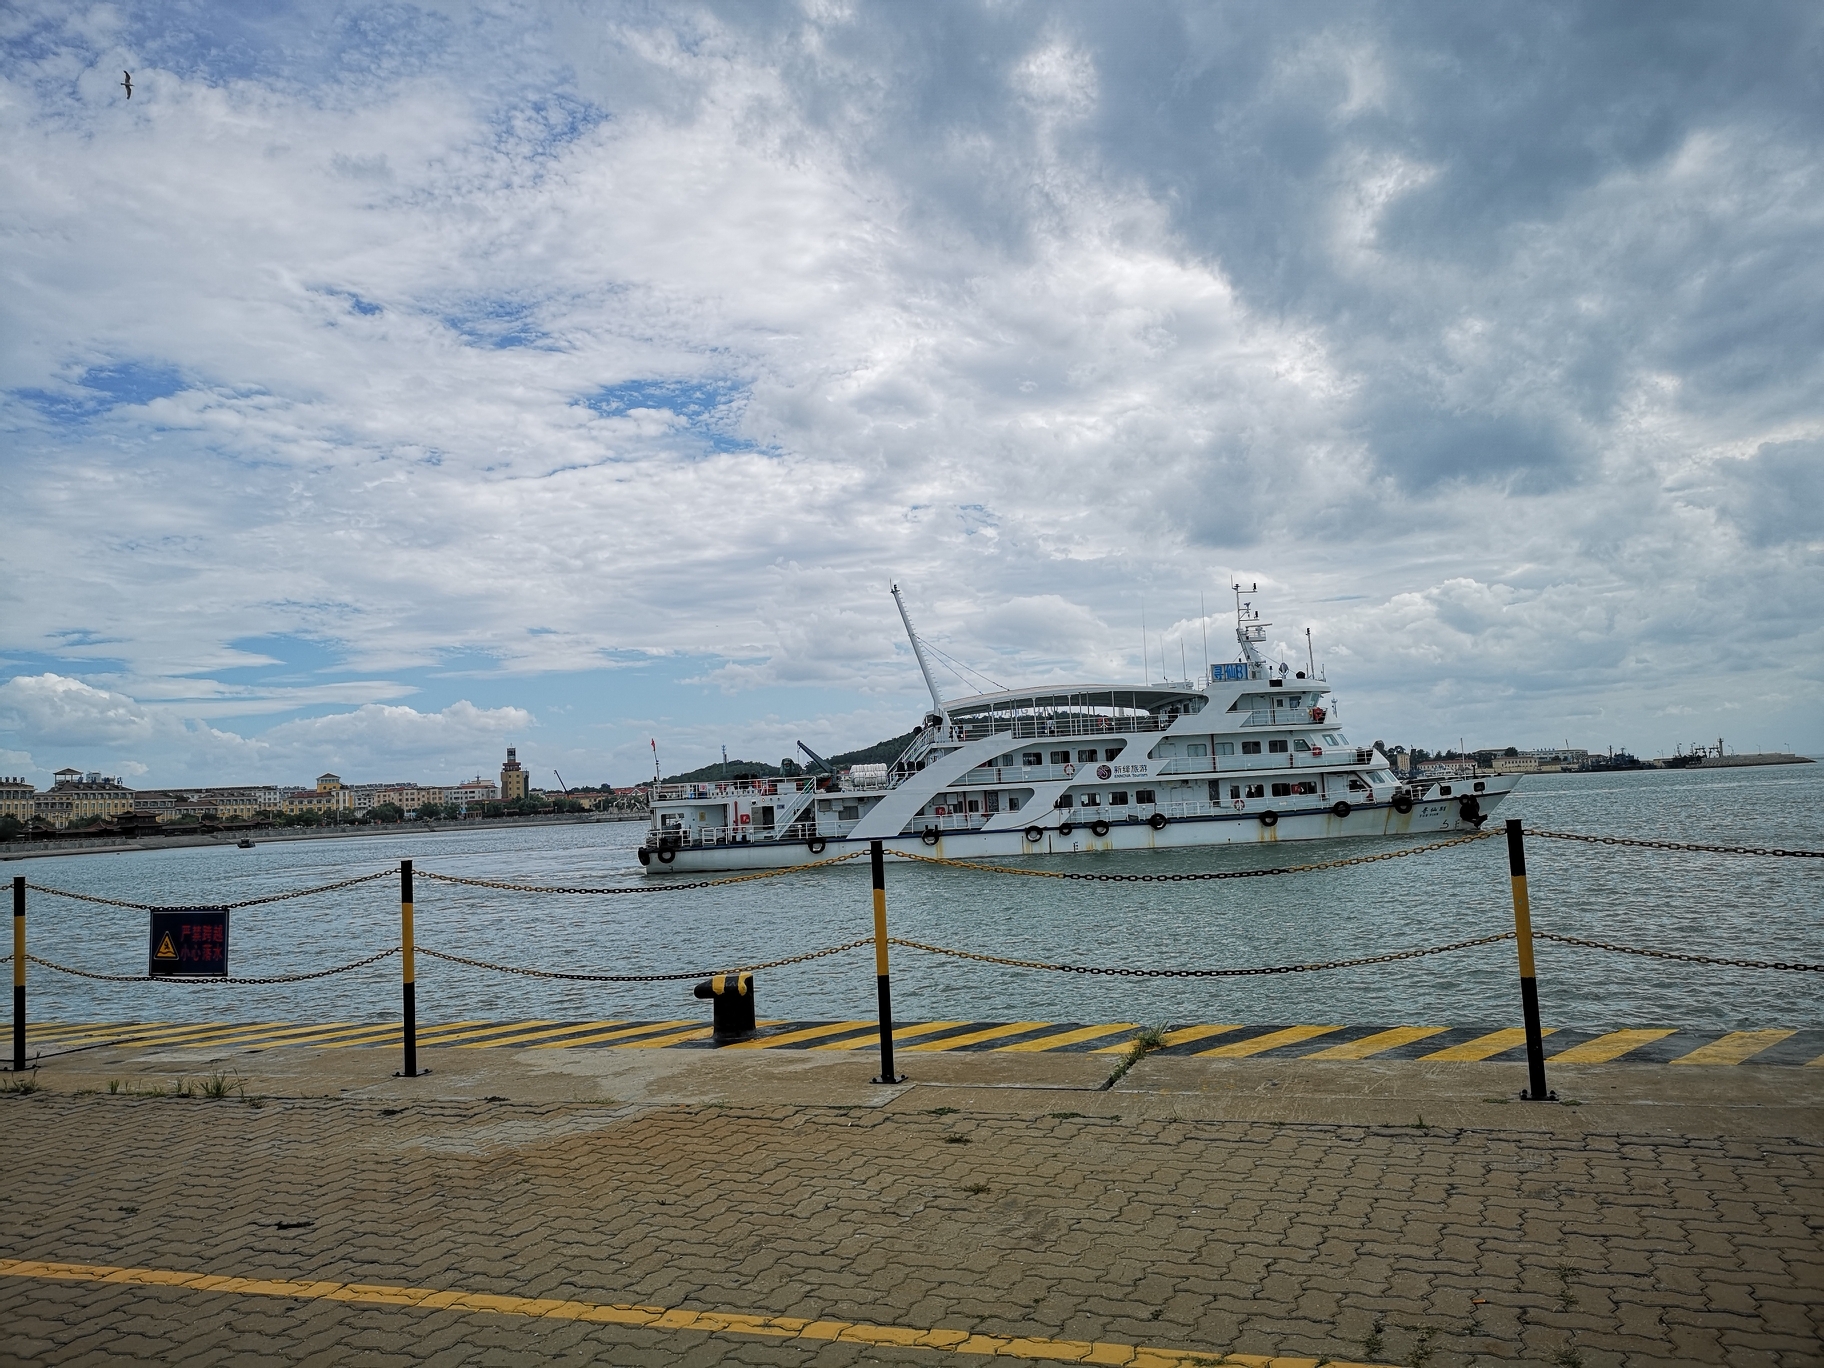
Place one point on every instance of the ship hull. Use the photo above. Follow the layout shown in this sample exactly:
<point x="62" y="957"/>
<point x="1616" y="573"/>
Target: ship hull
<point x="1437" y="817"/>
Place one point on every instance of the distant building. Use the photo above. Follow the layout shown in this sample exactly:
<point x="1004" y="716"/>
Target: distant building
<point x="513" y="779"/>
<point x="476" y="790"/>
<point x="76" y="796"/>
<point x="330" y="795"/>
<point x="17" y="799"/>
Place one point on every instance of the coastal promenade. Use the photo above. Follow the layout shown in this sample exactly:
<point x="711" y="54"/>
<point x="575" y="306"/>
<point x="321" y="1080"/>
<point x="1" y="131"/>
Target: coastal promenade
<point x="774" y="1207"/>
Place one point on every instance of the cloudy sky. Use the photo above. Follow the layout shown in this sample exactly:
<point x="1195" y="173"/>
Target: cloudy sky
<point x="386" y="384"/>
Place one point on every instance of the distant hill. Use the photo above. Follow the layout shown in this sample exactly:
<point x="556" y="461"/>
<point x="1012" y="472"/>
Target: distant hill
<point x="880" y="753"/>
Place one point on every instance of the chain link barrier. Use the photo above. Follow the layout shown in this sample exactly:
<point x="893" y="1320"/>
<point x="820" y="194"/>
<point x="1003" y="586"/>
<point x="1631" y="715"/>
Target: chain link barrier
<point x="565" y="890"/>
<point x="1203" y="973"/>
<point x="1675" y="845"/>
<point x="1674" y="955"/>
<point x="244" y="982"/>
<point x="642" y="978"/>
<point x="1204" y="875"/>
<point x="233" y="906"/>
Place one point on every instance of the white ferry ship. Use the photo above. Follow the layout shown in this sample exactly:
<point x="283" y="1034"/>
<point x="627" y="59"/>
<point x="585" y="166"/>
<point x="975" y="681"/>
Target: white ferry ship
<point x="1253" y="753"/>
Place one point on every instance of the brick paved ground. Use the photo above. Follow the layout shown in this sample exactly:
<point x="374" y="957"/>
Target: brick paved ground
<point x="1496" y="1242"/>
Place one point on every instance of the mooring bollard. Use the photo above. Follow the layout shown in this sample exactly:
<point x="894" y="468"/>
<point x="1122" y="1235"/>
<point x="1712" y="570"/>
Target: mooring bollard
<point x="882" y="988"/>
<point x="732" y="999"/>
<point x="18" y="973"/>
<point x="1529" y="985"/>
<point x="408" y="971"/>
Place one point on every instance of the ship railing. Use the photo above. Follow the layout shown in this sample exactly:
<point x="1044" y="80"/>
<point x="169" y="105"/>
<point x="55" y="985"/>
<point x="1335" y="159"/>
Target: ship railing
<point x="1280" y="717"/>
<point x="691" y="837"/>
<point x="713" y="790"/>
<point x="1065" y="724"/>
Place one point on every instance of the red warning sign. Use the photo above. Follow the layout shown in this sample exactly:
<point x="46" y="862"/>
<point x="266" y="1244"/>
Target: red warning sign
<point x="189" y="942"/>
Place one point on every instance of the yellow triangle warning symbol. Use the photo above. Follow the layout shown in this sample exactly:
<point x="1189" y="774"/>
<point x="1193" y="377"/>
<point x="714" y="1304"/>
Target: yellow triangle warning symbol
<point x="166" y="950"/>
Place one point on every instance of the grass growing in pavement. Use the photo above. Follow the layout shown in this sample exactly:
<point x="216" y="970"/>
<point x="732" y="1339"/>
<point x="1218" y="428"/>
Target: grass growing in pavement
<point x="23" y="1086"/>
<point x="1149" y="1039"/>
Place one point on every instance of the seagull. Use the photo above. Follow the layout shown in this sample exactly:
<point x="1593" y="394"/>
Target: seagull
<point x="127" y="81"/>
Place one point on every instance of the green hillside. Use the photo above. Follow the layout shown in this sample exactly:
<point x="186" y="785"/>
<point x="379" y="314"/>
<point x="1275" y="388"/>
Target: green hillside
<point x="880" y="753"/>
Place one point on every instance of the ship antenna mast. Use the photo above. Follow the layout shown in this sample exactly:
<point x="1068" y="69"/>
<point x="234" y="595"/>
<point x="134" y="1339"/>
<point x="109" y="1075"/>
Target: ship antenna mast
<point x="1250" y="631"/>
<point x="918" y="650"/>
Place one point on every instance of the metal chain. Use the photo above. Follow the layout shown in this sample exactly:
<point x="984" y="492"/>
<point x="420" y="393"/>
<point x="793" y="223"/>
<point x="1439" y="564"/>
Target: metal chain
<point x="1204" y="875"/>
<point x="245" y="982"/>
<point x="1673" y="955"/>
<point x="1204" y="973"/>
<point x="247" y="902"/>
<point x="642" y="978"/>
<point x="1676" y="845"/>
<point x="641" y="888"/>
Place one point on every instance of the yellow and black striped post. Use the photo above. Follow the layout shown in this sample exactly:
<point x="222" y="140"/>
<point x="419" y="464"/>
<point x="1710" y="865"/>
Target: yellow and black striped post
<point x="882" y="988"/>
<point x="18" y="973"/>
<point x="1529" y="984"/>
<point x="408" y="970"/>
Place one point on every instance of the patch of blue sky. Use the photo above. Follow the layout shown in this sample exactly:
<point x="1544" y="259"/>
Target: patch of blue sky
<point x="710" y="408"/>
<point x="77" y="657"/>
<point x="283" y="659"/>
<point x="101" y="388"/>
<point x="497" y="324"/>
<point x="543" y="126"/>
<point x="355" y="302"/>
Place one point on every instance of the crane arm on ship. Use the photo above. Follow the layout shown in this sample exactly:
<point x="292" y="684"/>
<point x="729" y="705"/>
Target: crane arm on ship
<point x="924" y="666"/>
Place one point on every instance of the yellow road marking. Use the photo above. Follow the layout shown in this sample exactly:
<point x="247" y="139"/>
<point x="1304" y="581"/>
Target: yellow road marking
<point x="660" y="1318"/>
<point x="620" y="1032"/>
<point x="196" y="1037"/>
<point x="539" y="1033"/>
<point x="699" y="1032"/>
<point x="1241" y="1049"/>
<point x="1380" y="1042"/>
<point x="57" y="1033"/>
<point x="1064" y="1038"/>
<point x="382" y="1034"/>
<point x="1182" y="1036"/>
<point x="977" y="1037"/>
<point x="456" y="1035"/>
<point x="1734" y="1047"/>
<point x="1611" y="1046"/>
<point x="790" y="1037"/>
<point x="1483" y="1047"/>
<point x="899" y="1033"/>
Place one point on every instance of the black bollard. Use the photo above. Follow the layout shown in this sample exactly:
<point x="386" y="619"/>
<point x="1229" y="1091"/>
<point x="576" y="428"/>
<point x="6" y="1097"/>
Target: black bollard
<point x="18" y="973"/>
<point x="1529" y="985"/>
<point x="732" y="1000"/>
<point x="883" y="990"/>
<point x="408" y="972"/>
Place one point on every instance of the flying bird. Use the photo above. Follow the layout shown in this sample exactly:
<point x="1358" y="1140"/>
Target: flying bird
<point x="126" y="79"/>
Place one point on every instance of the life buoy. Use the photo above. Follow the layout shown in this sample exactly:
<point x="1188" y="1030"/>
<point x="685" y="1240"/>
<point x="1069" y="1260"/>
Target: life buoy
<point x="928" y="835"/>
<point x="1157" y="821"/>
<point x="666" y="856"/>
<point x="1099" y="826"/>
<point x="816" y="845"/>
<point x="1065" y="828"/>
<point x="1269" y="818"/>
<point x="1340" y="808"/>
<point x="1317" y="714"/>
<point x="1402" y="803"/>
<point x="1034" y="833"/>
<point x="1069" y="771"/>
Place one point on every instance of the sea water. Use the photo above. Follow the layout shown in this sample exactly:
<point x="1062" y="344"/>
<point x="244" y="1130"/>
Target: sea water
<point x="1735" y="907"/>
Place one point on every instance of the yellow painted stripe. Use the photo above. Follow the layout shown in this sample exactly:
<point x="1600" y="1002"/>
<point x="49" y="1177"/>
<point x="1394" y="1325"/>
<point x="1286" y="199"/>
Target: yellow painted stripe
<point x="977" y="1037"/>
<point x="899" y="1033"/>
<point x="1734" y="1047"/>
<point x="200" y="1037"/>
<point x="659" y="1042"/>
<point x="457" y="1035"/>
<point x="792" y="1037"/>
<point x="1184" y="1035"/>
<point x="1611" y="1046"/>
<point x="1483" y="1047"/>
<point x="1378" y="1043"/>
<point x="98" y="1030"/>
<point x="1817" y="1063"/>
<point x="656" y="1318"/>
<point x="538" y="1033"/>
<point x="287" y="1034"/>
<point x="1241" y="1049"/>
<point x="363" y="1035"/>
<point x="621" y="1032"/>
<point x="1053" y="1042"/>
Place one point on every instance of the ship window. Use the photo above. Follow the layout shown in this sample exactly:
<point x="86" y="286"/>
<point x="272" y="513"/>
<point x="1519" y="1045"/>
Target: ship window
<point x="1444" y="790"/>
<point x="1282" y="790"/>
<point x="1118" y="798"/>
<point x="1060" y="757"/>
<point x="1014" y="801"/>
<point x="1234" y="790"/>
<point x="1064" y="801"/>
<point x="850" y="814"/>
<point x="975" y="805"/>
<point x="1225" y="748"/>
<point x="1250" y="748"/>
<point x="1112" y="752"/>
<point x="991" y="802"/>
<point x="1277" y="747"/>
<point x="1299" y="743"/>
<point x="1091" y="800"/>
<point x="1087" y="757"/>
<point x="1257" y="790"/>
<point x="1197" y="748"/>
<point x="1144" y="796"/>
<point x="1032" y="758"/>
<point x="1305" y="786"/>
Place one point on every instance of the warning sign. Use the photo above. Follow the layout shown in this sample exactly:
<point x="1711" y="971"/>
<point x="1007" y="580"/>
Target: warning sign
<point x="189" y="942"/>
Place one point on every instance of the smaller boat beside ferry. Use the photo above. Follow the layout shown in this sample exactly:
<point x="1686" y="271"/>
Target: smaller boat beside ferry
<point x="1254" y="753"/>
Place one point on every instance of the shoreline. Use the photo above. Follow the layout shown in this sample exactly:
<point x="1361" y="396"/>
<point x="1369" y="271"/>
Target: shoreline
<point x="31" y="850"/>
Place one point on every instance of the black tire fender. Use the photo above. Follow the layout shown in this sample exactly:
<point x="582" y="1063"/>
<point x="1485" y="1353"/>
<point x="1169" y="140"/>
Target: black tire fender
<point x="816" y="845"/>
<point x="645" y="854"/>
<point x="1340" y="808"/>
<point x="667" y="856"/>
<point x="1158" y="821"/>
<point x="1402" y="803"/>
<point x="929" y="836"/>
<point x="1065" y="828"/>
<point x="1099" y="826"/>
<point x="1035" y="834"/>
<point x="1269" y="818"/>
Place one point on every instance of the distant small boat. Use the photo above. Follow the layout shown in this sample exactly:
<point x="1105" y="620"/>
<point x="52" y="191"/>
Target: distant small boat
<point x="244" y="844"/>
